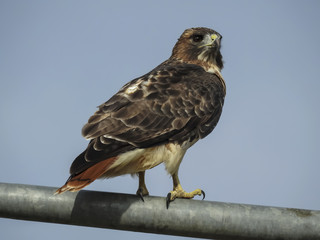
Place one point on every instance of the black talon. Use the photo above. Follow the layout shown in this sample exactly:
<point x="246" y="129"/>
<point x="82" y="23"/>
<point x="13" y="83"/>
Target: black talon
<point x="204" y="195"/>
<point x="168" y="200"/>
<point x="139" y="193"/>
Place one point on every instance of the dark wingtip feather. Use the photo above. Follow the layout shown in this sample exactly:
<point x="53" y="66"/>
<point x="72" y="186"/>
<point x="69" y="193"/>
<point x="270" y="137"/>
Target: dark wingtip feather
<point x="78" y="164"/>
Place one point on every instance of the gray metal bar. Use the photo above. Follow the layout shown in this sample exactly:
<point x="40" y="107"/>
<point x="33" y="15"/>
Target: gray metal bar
<point x="193" y="218"/>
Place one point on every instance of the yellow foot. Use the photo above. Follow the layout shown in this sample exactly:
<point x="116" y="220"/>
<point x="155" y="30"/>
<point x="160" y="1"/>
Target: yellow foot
<point x="180" y="193"/>
<point x="142" y="191"/>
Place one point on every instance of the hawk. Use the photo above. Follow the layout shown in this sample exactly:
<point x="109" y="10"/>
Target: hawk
<point x="155" y="118"/>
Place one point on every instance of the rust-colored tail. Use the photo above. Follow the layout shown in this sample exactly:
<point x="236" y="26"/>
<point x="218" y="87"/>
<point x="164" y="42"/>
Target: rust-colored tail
<point x="83" y="179"/>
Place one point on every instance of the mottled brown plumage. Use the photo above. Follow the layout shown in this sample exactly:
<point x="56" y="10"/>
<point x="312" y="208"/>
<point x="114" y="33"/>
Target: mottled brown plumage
<point x="157" y="117"/>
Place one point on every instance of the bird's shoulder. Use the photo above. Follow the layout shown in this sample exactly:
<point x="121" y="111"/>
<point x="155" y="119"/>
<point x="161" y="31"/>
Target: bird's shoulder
<point x="159" y="102"/>
<point x="168" y="79"/>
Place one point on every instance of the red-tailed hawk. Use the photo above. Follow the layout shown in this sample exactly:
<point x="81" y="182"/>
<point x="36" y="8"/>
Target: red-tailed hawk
<point x="155" y="118"/>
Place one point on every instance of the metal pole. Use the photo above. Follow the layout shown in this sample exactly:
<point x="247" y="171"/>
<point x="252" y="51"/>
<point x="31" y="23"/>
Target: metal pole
<point x="193" y="218"/>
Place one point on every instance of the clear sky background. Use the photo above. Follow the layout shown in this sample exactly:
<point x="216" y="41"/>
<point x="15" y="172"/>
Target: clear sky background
<point x="61" y="59"/>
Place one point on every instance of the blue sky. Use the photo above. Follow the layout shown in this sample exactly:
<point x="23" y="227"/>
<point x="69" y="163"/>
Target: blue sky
<point x="61" y="59"/>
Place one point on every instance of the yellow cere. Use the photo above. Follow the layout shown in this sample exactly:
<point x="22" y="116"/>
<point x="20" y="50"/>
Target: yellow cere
<point x="214" y="36"/>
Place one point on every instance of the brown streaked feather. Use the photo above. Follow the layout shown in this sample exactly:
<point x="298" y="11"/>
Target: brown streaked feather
<point x="178" y="102"/>
<point x="188" y="109"/>
<point x="132" y="119"/>
<point x="77" y="182"/>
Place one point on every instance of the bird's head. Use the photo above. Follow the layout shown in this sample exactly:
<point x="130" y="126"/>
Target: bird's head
<point x="199" y="46"/>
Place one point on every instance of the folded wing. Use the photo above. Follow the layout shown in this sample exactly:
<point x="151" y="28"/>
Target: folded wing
<point x="175" y="103"/>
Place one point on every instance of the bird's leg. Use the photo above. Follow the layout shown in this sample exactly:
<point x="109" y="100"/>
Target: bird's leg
<point x="142" y="190"/>
<point x="178" y="191"/>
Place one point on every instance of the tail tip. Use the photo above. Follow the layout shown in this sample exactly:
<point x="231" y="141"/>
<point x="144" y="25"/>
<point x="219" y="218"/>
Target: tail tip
<point x="60" y="190"/>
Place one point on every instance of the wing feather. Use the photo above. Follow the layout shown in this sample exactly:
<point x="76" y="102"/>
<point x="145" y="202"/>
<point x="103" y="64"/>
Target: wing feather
<point x="174" y="102"/>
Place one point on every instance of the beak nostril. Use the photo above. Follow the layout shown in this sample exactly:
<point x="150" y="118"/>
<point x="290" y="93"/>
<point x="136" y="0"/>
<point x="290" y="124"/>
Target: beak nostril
<point x="214" y="37"/>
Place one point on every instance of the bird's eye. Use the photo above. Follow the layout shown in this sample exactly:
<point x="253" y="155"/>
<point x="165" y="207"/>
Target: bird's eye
<point x="197" y="38"/>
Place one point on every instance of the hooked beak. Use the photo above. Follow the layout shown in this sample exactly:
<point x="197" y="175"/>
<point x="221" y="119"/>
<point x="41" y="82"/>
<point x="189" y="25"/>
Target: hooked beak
<point x="210" y="40"/>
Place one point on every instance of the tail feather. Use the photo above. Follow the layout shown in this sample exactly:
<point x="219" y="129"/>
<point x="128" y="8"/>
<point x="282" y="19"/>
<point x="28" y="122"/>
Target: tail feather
<point x="79" y="181"/>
